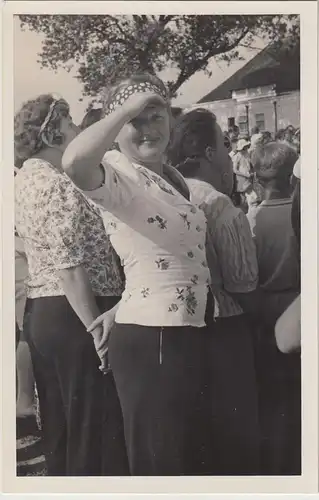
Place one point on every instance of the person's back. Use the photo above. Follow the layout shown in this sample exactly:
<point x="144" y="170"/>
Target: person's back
<point x="276" y="245"/>
<point x="270" y="222"/>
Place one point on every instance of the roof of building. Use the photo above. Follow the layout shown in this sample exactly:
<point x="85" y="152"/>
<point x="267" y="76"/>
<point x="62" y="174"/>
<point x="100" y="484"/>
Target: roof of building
<point x="279" y="66"/>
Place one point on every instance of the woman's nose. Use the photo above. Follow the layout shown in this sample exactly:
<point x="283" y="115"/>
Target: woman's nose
<point x="148" y="128"/>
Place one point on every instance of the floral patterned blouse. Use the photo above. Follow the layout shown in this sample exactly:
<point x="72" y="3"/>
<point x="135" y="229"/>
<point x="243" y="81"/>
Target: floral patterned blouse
<point x="61" y="229"/>
<point x="231" y="250"/>
<point x="160" y="238"/>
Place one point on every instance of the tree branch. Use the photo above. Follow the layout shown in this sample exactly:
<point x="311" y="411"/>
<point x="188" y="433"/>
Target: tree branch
<point x="116" y="21"/>
<point x="200" y="63"/>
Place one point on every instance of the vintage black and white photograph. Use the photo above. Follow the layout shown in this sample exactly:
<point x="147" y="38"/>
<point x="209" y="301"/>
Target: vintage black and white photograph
<point x="157" y="242"/>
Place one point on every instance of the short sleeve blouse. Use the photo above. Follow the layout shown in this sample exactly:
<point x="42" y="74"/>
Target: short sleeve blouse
<point x="60" y="229"/>
<point x="160" y="237"/>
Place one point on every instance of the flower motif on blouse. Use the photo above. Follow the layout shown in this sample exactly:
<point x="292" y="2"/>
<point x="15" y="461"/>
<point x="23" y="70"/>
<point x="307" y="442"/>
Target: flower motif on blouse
<point x="173" y="308"/>
<point x="204" y="264"/>
<point x="200" y="246"/>
<point x="113" y="225"/>
<point x="199" y="228"/>
<point x="162" y="264"/>
<point x="145" y="292"/>
<point x="162" y="223"/>
<point x="162" y="185"/>
<point x="195" y="279"/>
<point x="147" y="180"/>
<point x="191" y="301"/>
<point x="188" y="297"/>
<point x="180" y="294"/>
<point x="185" y="219"/>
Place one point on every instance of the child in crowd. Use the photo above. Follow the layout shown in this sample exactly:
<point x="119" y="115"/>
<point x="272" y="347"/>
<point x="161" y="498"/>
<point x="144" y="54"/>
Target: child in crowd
<point x="279" y="280"/>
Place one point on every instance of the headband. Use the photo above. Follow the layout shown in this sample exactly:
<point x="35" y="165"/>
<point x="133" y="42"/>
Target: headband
<point x="136" y="88"/>
<point x="56" y="99"/>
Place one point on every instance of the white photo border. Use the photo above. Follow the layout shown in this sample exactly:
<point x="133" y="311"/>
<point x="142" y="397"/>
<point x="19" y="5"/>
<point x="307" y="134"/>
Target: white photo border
<point x="308" y="481"/>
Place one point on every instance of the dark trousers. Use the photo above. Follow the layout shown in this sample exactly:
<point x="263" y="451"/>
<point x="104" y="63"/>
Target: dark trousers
<point x="72" y="390"/>
<point x="279" y="380"/>
<point x="163" y="385"/>
<point x="234" y="398"/>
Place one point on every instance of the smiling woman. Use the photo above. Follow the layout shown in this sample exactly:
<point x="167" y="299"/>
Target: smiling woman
<point x="158" y="348"/>
<point x="146" y="136"/>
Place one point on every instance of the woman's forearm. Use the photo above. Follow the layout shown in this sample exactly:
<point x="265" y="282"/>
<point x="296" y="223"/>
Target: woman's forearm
<point x="82" y="158"/>
<point x="288" y="328"/>
<point x="78" y="291"/>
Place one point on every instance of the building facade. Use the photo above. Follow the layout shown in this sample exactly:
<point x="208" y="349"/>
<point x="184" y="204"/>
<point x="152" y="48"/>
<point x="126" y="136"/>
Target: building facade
<point x="264" y="93"/>
<point x="259" y="107"/>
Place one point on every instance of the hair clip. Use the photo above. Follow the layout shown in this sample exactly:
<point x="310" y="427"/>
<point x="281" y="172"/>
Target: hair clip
<point x="56" y="99"/>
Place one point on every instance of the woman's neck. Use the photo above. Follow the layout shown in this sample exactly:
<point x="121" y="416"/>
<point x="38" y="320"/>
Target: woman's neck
<point x="156" y="164"/>
<point x="52" y="156"/>
<point x="156" y="167"/>
<point x="273" y="193"/>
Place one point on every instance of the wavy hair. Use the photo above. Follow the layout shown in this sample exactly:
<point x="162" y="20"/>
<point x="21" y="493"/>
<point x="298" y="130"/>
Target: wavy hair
<point x="28" y="137"/>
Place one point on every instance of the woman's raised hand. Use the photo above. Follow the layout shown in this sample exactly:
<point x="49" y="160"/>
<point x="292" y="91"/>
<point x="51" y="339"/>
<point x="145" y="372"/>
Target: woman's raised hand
<point x="137" y="102"/>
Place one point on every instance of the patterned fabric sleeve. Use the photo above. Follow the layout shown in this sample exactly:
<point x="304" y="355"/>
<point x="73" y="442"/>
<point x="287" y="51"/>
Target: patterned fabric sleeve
<point x="65" y="231"/>
<point x="236" y="252"/>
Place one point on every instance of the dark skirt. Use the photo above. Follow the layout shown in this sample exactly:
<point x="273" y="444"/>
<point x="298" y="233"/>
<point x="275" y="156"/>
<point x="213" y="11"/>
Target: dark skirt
<point x="78" y="404"/>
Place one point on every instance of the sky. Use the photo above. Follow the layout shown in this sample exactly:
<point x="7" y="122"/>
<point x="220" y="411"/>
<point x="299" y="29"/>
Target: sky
<point x="30" y="80"/>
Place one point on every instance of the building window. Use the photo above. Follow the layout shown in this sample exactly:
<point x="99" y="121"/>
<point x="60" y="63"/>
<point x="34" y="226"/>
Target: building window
<point x="260" y="121"/>
<point x="243" y="125"/>
<point x="231" y="122"/>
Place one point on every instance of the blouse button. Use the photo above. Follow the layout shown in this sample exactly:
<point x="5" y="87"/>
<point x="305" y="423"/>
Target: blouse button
<point x="190" y="255"/>
<point x="193" y="210"/>
<point x="204" y="264"/>
<point x="200" y="246"/>
<point x="199" y="229"/>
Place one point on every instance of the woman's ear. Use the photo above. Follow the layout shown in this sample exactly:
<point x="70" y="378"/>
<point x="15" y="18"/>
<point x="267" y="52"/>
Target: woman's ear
<point x="210" y="153"/>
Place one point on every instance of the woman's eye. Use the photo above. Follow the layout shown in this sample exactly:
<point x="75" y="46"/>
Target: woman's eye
<point x="135" y="122"/>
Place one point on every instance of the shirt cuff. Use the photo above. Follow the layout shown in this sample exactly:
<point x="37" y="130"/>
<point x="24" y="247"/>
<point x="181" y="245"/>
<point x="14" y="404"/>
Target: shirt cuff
<point x="241" y="287"/>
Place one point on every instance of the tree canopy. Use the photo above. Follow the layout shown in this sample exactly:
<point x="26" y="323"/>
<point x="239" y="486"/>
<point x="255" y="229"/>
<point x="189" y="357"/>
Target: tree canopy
<point x="104" y="47"/>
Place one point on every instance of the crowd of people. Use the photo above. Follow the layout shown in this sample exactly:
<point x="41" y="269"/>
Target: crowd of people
<point x="157" y="290"/>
